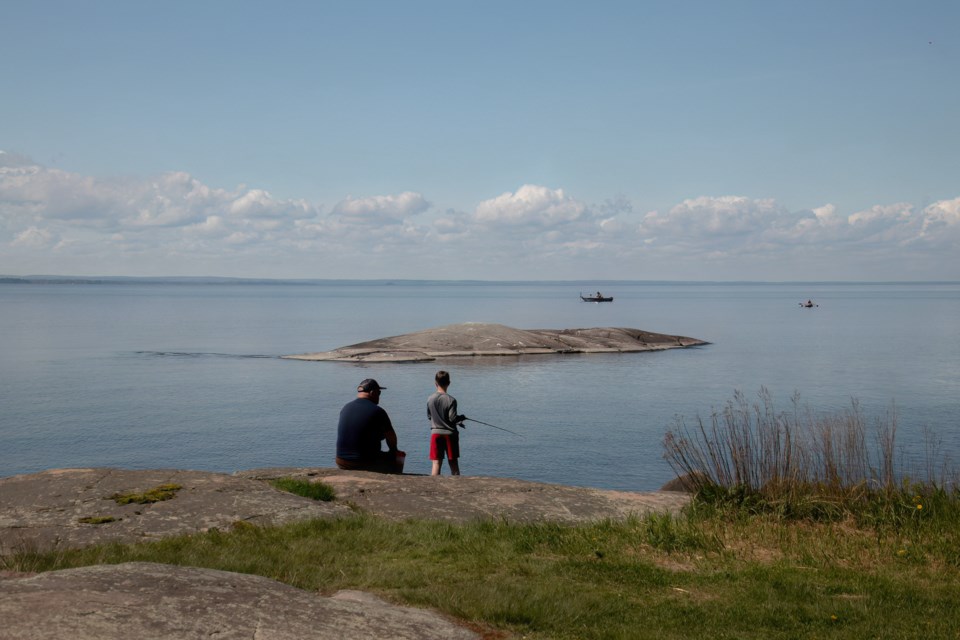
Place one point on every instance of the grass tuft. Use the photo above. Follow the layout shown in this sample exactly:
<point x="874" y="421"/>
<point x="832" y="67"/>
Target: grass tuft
<point x="801" y="466"/>
<point x="316" y="490"/>
<point x="157" y="494"/>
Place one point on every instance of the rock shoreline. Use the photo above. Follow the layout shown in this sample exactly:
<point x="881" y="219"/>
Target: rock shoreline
<point x="73" y="508"/>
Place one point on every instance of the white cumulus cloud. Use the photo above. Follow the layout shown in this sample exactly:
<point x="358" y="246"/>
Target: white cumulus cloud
<point x="389" y="209"/>
<point x="712" y="217"/>
<point x="941" y="223"/>
<point x="34" y="237"/>
<point x="166" y="207"/>
<point x="177" y="224"/>
<point x="880" y="216"/>
<point x="531" y="205"/>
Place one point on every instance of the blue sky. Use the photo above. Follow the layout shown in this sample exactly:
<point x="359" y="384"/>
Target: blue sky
<point x="488" y="140"/>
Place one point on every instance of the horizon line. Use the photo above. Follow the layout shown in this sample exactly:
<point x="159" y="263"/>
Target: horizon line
<point x="114" y="279"/>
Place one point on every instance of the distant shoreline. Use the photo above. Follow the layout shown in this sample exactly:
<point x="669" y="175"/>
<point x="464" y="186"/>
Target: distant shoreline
<point x="214" y="280"/>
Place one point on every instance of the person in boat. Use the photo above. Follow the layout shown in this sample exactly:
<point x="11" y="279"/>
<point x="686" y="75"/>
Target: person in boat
<point x="599" y="295"/>
<point x="444" y="420"/>
<point x="363" y="425"/>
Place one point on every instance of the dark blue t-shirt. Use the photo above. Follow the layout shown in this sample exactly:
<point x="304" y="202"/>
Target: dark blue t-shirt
<point x="363" y="425"/>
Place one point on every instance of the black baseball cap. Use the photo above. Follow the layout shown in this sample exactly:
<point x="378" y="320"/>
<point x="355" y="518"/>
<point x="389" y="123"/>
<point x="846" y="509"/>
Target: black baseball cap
<point x="369" y="385"/>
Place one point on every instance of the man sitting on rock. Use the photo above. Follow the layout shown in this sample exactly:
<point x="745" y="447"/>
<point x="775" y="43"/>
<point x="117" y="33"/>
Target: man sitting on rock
<point x="363" y="425"/>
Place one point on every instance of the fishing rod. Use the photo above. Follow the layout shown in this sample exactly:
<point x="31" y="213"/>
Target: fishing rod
<point x="487" y="424"/>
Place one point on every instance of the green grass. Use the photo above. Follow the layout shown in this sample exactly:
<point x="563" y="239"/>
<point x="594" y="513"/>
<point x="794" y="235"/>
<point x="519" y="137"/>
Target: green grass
<point x="800" y="529"/>
<point x="717" y="571"/>
<point x="157" y="494"/>
<point x="316" y="490"/>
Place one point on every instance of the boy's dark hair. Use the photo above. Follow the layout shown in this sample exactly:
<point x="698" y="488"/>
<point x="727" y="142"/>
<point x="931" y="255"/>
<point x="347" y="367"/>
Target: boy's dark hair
<point x="442" y="379"/>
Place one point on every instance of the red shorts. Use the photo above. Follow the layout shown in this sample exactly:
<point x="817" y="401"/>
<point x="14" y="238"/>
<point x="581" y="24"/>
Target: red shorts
<point x="441" y="444"/>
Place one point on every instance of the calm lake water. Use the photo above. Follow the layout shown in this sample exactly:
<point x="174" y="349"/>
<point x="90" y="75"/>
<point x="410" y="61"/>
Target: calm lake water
<point x="188" y="375"/>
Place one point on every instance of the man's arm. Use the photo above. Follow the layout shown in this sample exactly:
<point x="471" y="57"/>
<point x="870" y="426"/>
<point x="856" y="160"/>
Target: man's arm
<point x="391" y="437"/>
<point x="388" y="433"/>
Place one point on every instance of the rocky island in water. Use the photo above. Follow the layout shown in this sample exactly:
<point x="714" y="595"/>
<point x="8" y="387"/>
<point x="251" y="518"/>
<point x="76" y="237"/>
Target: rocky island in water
<point x="485" y="339"/>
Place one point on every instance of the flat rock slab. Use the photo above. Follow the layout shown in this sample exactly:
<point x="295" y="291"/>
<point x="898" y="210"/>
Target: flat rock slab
<point x="149" y="601"/>
<point x="53" y="509"/>
<point x="483" y="339"/>
<point x="143" y="600"/>
<point x="44" y="511"/>
<point x="467" y="498"/>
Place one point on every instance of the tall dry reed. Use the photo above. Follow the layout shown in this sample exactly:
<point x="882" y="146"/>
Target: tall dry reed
<point x="755" y="450"/>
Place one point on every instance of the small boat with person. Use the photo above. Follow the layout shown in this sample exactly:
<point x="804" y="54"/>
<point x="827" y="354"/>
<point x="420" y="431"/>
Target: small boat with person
<point x="809" y="304"/>
<point x="599" y="297"/>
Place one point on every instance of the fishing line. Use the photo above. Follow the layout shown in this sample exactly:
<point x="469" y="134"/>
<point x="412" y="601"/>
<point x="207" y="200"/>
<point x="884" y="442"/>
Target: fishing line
<point x="487" y="424"/>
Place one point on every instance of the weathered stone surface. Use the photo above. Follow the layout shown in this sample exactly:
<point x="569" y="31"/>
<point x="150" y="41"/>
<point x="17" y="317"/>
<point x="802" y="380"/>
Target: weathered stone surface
<point x="146" y="601"/>
<point x="142" y="600"/>
<point x="465" y="498"/>
<point x="44" y="510"/>
<point x="481" y="339"/>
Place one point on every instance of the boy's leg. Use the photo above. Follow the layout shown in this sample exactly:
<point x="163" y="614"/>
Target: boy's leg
<point x="436" y="454"/>
<point x="453" y="454"/>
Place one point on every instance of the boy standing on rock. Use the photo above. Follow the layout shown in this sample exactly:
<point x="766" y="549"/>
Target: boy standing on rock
<point x="444" y="438"/>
